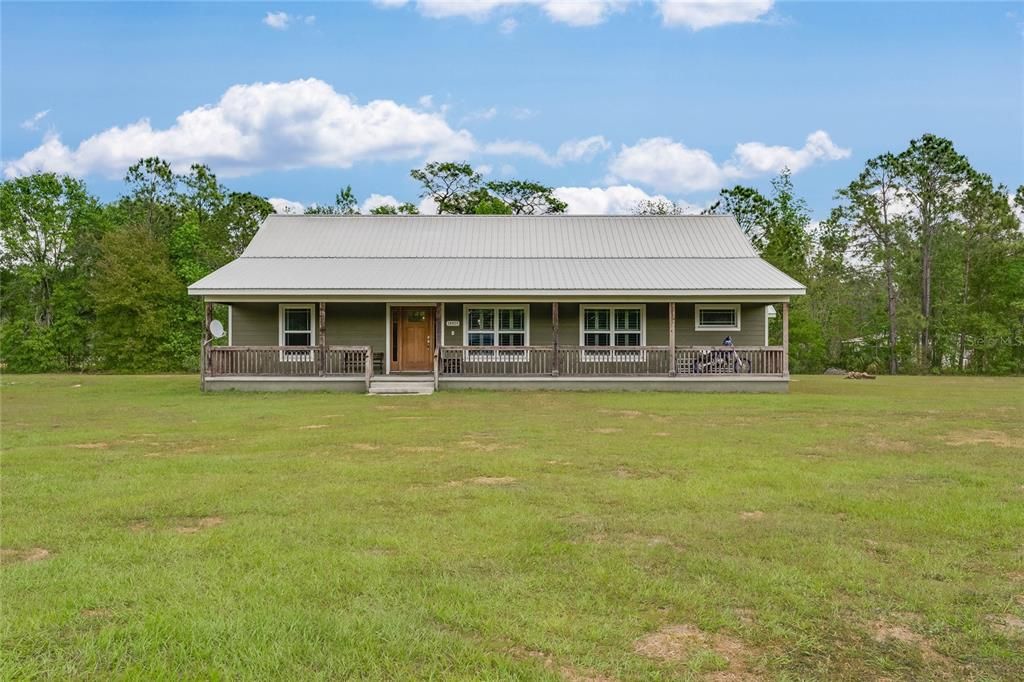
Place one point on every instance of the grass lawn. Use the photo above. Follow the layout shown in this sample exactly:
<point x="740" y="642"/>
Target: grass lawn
<point x="848" y="530"/>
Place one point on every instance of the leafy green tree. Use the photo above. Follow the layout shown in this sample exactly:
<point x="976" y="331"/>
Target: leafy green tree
<point x="878" y="232"/>
<point x="49" y="229"/>
<point x="991" y="249"/>
<point x="658" y="207"/>
<point x="345" y="203"/>
<point x="931" y="176"/>
<point x="751" y="209"/>
<point x="389" y="209"/>
<point x="523" y="197"/>
<point x="143" y="322"/>
<point x="451" y="185"/>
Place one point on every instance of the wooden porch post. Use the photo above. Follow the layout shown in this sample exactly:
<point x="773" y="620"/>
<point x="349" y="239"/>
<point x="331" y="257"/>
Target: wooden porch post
<point x="785" y="339"/>
<point x="204" y="348"/>
<point x="672" y="338"/>
<point x="555" y="363"/>
<point x="322" y="334"/>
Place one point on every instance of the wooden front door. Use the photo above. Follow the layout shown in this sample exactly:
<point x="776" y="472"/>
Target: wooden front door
<point x="413" y="335"/>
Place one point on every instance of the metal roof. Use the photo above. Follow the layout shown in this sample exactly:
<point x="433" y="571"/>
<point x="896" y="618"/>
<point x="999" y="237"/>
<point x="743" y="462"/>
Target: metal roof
<point x="498" y="255"/>
<point x="490" y="236"/>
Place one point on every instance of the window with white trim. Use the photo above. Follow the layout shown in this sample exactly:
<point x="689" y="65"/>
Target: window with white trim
<point x="612" y="328"/>
<point x="717" y="317"/>
<point x="297" y="329"/>
<point x="500" y="326"/>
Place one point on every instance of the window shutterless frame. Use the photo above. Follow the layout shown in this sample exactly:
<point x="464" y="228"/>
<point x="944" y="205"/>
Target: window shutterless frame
<point x="613" y="332"/>
<point x="296" y="323"/>
<point x="710" y="317"/>
<point x="492" y="326"/>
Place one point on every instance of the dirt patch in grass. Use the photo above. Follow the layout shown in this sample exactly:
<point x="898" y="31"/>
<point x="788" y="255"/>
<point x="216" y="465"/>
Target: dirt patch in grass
<point x="897" y="630"/>
<point x="138" y="526"/>
<point x="1008" y="624"/>
<point x="485" y="480"/>
<point x="661" y="434"/>
<point x="313" y="426"/>
<point x="469" y="443"/>
<point x="200" y="524"/>
<point x="756" y="515"/>
<point x="566" y="672"/>
<point x="366" y="447"/>
<point x="96" y="613"/>
<point x="890" y="445"/>
<point x="689" y="644"/>
<point x="90" y="446"/>
<point x="607" y="430"/>
<point x="624" y="413"/>
<point x="421" y="448"/>
<point x="19" y="556"/>
<point x="984" y="437"/>
<point x="746" y="617"/>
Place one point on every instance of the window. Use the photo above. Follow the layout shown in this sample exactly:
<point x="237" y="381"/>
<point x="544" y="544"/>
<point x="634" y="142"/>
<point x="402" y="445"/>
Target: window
<point x="614" y="329"/>
<point x="717" y="318"/>
<point x="496" y="326"/>
<point x="296" y="327"/>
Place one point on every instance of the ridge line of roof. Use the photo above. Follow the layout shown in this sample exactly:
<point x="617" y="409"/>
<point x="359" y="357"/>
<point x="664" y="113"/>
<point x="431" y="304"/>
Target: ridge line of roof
<point x="629" y="258"/>
<point x="498" y="215"/>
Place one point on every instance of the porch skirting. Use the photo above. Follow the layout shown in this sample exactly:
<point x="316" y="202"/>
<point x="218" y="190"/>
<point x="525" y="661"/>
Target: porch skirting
<point x="713" y="384"/>
<point x="278" y="384"/>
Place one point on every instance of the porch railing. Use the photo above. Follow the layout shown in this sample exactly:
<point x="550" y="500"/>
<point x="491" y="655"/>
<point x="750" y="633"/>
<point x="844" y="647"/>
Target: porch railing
<point x="482" y="361"/>
<point x="290" y="361"/>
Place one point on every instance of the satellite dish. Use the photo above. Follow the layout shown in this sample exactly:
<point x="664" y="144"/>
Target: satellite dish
<point x="216" y="329"/>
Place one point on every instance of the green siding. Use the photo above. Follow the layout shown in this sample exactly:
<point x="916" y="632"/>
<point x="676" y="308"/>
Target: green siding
<point x="357" y="324"/>
<point x="348" y="324"/>
<point x="254" y="324"/>
<point x="751" y="332"/>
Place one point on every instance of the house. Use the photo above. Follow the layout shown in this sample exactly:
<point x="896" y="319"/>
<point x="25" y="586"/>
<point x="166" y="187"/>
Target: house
<point x="416" y="303"/>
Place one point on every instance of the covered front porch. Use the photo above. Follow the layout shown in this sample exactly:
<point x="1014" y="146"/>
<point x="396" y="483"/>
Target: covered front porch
<point x="669" y="345"/>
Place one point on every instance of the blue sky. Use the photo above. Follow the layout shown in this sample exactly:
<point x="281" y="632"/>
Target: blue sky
<point x="608" y="101"/>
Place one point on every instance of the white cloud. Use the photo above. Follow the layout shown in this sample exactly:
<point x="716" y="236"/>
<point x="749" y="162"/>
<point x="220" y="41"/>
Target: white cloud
<point x="667" y="165"/>
<point x="696" y="14"/>
<point x="572" y="150"/>
<point x="277" y="20"/>
<point x="376" y="201"/>
<point x="761" y="158"/>
<point x="286" y="205"/>
<point x="700" y="14"/>
<point x="582" y="150"/>
<point x="616" y="199"/>
<point x="522" y="113"/>
<point x="581" y="12"/>
<point x="426" y="101"/>
<point x="670" y="166"/>
<point x="484" y="169"/>
<point x="262" y="126"/>
<point x="280" y="21"/>
<point x="508" y="25"/>
<point x="32" y="123"/>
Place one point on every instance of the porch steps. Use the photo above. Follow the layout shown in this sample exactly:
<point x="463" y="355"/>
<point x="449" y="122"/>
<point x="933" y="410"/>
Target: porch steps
<point x="402" y="384"/>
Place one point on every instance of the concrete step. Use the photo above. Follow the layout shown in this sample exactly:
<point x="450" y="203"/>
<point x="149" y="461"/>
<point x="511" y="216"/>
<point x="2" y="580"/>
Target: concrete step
<point x="406" y="387"/>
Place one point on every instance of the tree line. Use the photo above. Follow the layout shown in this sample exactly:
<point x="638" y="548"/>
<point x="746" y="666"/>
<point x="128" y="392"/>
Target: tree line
<point x="919" y="267"/>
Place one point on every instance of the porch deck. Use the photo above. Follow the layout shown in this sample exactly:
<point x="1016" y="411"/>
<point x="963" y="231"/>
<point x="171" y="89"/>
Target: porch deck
<point x="351" y="368"/>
